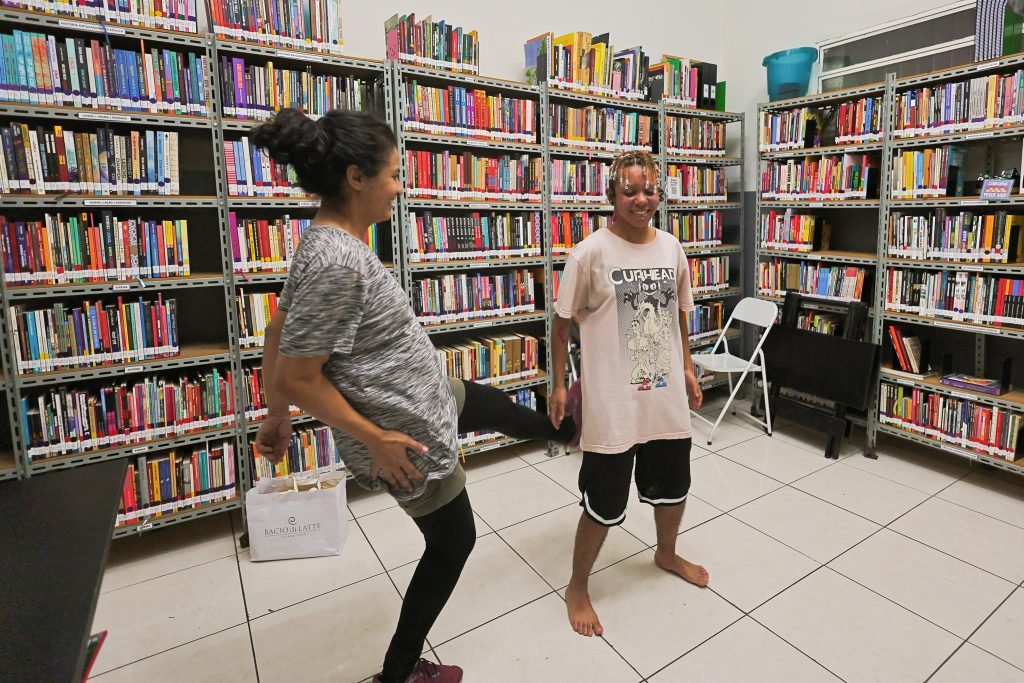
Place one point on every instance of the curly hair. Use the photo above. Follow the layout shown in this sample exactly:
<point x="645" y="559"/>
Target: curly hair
<point x="321" y="151"/>
<point x="627" y="160"/>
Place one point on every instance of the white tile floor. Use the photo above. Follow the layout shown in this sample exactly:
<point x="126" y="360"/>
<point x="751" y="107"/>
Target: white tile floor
<point x="905" y="568"/>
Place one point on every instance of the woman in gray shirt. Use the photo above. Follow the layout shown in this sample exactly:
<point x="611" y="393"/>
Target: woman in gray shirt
<point x="345" y="347"/>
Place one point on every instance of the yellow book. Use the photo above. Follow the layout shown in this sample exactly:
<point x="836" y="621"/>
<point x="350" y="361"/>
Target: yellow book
<point x="566" y="42"/>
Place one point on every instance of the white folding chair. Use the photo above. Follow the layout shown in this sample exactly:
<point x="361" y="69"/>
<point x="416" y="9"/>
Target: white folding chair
<point x="755" y="312"/>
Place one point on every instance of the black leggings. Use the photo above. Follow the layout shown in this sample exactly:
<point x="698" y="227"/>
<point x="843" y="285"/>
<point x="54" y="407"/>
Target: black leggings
<point x="490" y="409"/>
<point x="450" y="532"/>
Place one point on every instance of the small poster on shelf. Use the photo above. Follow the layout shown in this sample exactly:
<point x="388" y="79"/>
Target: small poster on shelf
<point x="997" y="188"/>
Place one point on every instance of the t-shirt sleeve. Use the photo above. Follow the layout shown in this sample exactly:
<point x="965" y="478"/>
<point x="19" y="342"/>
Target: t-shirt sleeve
<point x="683" y="292"/>
<point x="572" y="289"/>
<point x="325" y="306"/>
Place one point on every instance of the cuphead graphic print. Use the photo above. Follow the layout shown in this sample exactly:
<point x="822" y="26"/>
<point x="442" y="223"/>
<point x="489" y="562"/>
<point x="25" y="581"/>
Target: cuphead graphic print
<point x="646" y="299"/>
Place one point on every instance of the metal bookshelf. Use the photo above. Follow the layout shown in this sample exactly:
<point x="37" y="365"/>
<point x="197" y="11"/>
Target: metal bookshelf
<point x="734" y="210"/>
<point x="979" y="335"/>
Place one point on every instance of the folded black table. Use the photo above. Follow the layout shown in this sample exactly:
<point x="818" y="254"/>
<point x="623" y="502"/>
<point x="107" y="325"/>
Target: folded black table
<point x="54" y="539"/>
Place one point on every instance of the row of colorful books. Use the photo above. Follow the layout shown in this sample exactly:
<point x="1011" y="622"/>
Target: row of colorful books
<point x="577" y="180"/>
<point x="252" y="173"/>
<point x="463" y="297"/>
<point x="706" y="321"/>
<point x="856" y="121"/>
<point x="178" y="480"/>
<point x="491" y="360"/>
<point x="298" y="24"/>
<point x="43" y="160"/>
<point x="39" y="68"/>
<point x="79" y="248"/>
<point x="827" y="177"/>
<point x="978" y="103"/>
<point x="965" y="236"/>
<point x="264" y="245"/>
<point x="822" y="323"/>
<point x="254" y="393"/>
<point x="708" y="274"/>
<point x="696" y="230"/>
<point x="695" y="137"/>
<point x="433" y="44"/>
<point x="174" y="15"/>
<point x="960" y="422"/>
<point x="696" y="183"/>
<point x="930" y="172"/>
<point x="310" y="449"/>
<point x="788" y="231"/>
<point x="603" y="128"/>
<point x="257" y="91"/>
<point x="959" y="296"/>
<point x="569" y="228"/>
<point x="474" y="235"/>
<point x="68" y="420"/>
<point x="684" y="82"/>
<point x="589" y="63"/>
<point x="836" y="283"/>
<point x="469" y="112"/>
<point x="465" y="175"/>
<point x="254" y="309"/>
<point x="93" y="333"/>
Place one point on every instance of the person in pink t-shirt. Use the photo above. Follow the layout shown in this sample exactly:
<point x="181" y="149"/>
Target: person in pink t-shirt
<point x="628" y="286"/>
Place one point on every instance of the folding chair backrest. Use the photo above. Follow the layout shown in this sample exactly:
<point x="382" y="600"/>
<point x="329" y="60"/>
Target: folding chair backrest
<point x="756" y="311"/>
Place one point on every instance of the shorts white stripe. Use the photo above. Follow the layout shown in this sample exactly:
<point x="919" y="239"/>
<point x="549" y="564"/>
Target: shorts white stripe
<point x="661" y="501"/>
<point x="599" y="518"/>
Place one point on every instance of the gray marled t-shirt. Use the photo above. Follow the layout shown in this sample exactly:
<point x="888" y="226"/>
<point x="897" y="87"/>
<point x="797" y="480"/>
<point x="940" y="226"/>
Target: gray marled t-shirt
<point x="343" y="302"/>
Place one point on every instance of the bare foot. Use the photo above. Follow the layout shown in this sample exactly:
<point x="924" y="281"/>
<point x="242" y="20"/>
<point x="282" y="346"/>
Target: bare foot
<point x="694" y="573"/>
<point x="582" y="616"/>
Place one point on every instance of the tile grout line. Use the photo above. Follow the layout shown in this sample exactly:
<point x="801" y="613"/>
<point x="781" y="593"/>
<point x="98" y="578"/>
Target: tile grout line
<point x="245" y="603"/>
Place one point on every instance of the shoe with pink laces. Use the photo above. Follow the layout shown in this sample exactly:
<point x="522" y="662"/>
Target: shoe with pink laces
<point x="427" y="671"/>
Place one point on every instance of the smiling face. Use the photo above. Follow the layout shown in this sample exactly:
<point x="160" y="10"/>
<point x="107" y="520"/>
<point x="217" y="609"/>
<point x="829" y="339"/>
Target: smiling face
<point x="381" y="191"/>
<point x="636" y="197"/>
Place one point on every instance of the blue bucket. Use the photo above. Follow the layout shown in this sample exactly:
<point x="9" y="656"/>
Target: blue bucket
<point x="789" y="72"/>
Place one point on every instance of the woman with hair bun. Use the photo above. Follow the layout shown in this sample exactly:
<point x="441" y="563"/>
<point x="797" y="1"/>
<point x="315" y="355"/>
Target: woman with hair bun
<point x="345" y="347"/>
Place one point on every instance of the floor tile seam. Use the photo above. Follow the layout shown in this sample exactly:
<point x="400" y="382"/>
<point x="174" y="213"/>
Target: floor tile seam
<point x="442" y="643"/>
<point x="762" y="624"/>
<point x="234" y="554"/>
<point x="169" y="649"/>
<point x="894" y="602"/>
<point x="245" y="604"/>
<point x="982" y="625"/>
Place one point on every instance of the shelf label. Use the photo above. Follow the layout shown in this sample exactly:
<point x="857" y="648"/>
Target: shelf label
<point x="965" y="397"/>
<point x="959" y="451"/>
<point x="816" y="205"/>
<point x="103" y="116"/>
<point x="111" y="202"/>
<point x="904" y="382"/>
<point x="121" y="287"/>
<point x="140" y="449"/>
<point x="974" y="202"/>
<point x="977" y="268"/>
<point x="965" y="328"/>
<point x="312" y="202"/>
<point x="133" y="368"/>
<point x="303" y="56"/>
<point x="88" y="26"/>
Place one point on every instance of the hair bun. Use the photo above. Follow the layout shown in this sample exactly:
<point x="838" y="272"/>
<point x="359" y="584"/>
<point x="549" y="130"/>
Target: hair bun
<point x="289" y="136"/>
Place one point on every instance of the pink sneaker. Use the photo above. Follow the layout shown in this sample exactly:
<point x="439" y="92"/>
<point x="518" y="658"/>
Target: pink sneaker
<point x="574" y="408"/>
<point x="427" y="671"/>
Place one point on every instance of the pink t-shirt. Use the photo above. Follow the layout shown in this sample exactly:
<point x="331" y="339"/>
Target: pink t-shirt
<point x="627" y="299"/>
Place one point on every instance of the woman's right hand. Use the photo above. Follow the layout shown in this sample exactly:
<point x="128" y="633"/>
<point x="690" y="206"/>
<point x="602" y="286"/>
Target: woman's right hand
<point x="389" y="461"/>
<point x="556" y="405"/>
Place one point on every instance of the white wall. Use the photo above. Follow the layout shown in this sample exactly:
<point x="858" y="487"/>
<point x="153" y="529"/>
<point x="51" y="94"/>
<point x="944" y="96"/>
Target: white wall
<point x="753" y="29"/>
<point x="504" y="26"/>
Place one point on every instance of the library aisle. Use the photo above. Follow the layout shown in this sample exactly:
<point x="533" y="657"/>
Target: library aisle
<point x="921" y="568"/>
